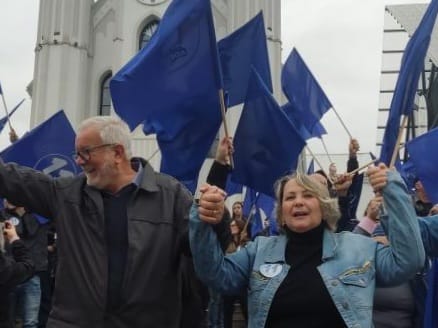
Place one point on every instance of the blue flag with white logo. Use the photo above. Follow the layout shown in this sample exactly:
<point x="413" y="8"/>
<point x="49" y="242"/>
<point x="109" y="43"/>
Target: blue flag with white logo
<point x="47" y="148"/>
<point x="411" y="67"/>
<point x="172" y="87"/>
<point x="242" y="49"/>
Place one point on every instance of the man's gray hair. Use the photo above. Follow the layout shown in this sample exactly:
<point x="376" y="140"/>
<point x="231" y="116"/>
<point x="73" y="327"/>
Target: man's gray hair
<point x="111" y="129"/>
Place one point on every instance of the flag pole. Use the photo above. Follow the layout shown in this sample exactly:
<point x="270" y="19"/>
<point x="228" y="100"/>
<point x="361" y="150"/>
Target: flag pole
<point x="6" y="111"/>
<point x="326" y="151"/>
<point x="342" y="122"/>
<point x="319" y="164"/>
<point x="223" y="112"/>
<point x="361" y="168"/>
<point x="397" y="144"/>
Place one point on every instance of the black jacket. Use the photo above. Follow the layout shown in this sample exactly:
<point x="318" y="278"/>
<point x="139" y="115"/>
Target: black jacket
<point x="34" y="236"/>
<point x="13" y="271"/>
<point x="157" y="238"/>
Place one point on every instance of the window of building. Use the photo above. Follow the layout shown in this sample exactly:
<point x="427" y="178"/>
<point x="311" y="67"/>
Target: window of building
<point x="147" y="32"/>
<point x="105" y="97"/>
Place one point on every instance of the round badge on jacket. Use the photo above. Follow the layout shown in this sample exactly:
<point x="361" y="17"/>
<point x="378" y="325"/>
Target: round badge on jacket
<point x="14" y="221"/>
<point x="271" y="270"/>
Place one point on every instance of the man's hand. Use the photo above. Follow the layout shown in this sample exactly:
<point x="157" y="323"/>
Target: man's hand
<point x="353" y="147"/>
<point x="224" y="151"/>
<point x="343" y="182"/>
<point x="13" y="136"/>
<point x="211" y="204"/>
<point x="9" y="232"/>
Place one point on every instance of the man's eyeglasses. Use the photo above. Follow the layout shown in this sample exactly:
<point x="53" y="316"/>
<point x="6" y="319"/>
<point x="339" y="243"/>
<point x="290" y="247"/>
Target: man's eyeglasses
<point x="85" y="154"/>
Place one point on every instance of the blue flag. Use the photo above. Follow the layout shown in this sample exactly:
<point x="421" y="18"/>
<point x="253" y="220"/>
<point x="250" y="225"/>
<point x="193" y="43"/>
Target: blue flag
<point x="311" y="168"/>
<point x="237" y="52"/>
<point x="424" y="158"/>
<point x="48" y="148"/>
<point x="172" y="87"/>
<point x="408" y="172"/>
<point x="5" y="119"/>
<point x="267" y="204"/>
<point x="303" y="91"/>
<point x="232" y="188"/>
<point x="266" y="144"/>
<point x="253" y="205"/>
<point x="407" y="83"/>
<point x="249" y="201"/>
<point x="296" y="118"/>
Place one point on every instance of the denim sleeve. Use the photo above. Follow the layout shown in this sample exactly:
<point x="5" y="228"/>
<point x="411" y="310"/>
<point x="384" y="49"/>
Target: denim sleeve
<point x="226" y="274"/>
<point x="405" y="256"/>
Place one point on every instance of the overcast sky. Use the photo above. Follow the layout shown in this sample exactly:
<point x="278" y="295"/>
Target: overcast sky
<point x="340" y="40"/>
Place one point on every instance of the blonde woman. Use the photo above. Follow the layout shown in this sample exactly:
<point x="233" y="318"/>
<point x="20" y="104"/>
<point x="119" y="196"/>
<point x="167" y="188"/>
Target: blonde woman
<point x="310" y="276"/>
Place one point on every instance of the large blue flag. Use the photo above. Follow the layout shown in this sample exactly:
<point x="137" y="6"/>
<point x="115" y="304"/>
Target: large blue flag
<point x="303" y="91"/>
<point x="48" y="148"/>
<point x="5" y="119"/>
<point x="266" y="144"/>
<point x="407" y="83"/>
<point x="425" y="159"/>
<point x="237" y="52"/>
<point x="172" y="86"/>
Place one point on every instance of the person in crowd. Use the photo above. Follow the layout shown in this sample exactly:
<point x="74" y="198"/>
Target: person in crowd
<point x="239" y="240"/>
<point x="26" y="297"/>
<point x="309" y="275"/>
<point x="422" y="202"/>
<point x="13" y="270"/>
<point x="344" y="188"/>
<point x="401" y="306"/>
<point x="122" y="231"/>
<point x="393" y="306"/>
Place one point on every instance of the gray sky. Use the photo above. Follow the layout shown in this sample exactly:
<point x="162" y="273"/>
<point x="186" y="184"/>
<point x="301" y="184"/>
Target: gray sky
<point x="340" y="40"/>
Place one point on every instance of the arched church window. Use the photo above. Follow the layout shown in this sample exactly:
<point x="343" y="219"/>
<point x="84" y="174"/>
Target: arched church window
<point x="105" y="97"/>
<point x="147" y="32"/>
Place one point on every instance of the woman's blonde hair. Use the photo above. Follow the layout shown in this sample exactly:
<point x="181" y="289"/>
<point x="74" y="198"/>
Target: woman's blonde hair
<point x="329" y="206"/>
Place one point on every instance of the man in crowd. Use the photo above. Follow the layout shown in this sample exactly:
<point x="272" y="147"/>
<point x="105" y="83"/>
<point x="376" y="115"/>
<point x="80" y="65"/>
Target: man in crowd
<point x="121" y="232"/>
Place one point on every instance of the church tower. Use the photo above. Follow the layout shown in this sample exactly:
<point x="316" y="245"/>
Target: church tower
<point x="62" y="59"/>
<point x="81" y="44"/>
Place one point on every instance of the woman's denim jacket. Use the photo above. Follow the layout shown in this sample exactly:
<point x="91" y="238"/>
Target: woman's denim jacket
<point x="351" y="264"/>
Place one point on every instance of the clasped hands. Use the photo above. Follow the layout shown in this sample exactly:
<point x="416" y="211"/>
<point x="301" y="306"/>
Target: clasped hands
<point x="211" y="204"/>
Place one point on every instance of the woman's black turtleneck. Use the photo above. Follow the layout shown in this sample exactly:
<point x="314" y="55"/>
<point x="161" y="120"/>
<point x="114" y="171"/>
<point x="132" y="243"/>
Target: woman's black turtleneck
<point x="302" y="300"/>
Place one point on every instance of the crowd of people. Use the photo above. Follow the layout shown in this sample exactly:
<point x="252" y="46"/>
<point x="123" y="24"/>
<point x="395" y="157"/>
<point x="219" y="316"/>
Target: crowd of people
<point x="134" y="249"/>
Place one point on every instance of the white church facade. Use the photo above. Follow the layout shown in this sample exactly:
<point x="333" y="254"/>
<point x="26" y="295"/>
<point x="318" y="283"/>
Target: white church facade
<point x="81" y="44"/>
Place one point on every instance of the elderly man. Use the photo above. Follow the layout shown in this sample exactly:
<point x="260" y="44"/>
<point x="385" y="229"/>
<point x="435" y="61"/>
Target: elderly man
<point x="122" y="232"/>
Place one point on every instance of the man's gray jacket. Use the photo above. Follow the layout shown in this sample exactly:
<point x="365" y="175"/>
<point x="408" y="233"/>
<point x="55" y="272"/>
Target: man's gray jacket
<point x="157" y="237"/>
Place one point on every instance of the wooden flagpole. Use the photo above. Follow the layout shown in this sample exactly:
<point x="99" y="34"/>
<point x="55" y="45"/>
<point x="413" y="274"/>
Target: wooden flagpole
<point x="223" y="112"/>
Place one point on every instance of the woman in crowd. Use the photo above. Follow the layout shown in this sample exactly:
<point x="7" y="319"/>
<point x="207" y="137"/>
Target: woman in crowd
<point x="239" y="239"/>
<point x="12" y="271"/>
<point x="309" y="276"/>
